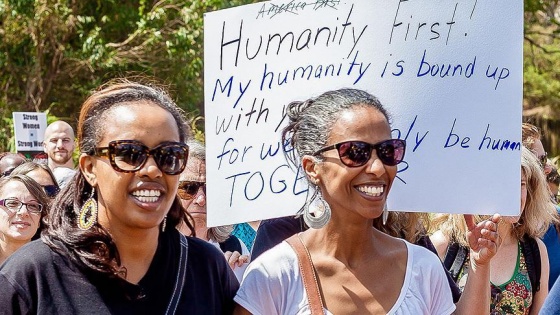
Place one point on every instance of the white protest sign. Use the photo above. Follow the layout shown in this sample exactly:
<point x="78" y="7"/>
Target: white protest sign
<point x="29" y="129"/>
<point x="449" y="72"/>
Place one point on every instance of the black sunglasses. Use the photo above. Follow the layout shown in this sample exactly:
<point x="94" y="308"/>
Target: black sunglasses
<point x="51" y="190"/>
<point x="188" y="189"/>
<point x="130" y="155"/>
<point x="358" y="153"/>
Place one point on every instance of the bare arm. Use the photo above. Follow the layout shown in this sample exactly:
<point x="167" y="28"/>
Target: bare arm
<point x="484" y="243"/>
<point x="540" y="296"/>
<point x="240" y="310"/>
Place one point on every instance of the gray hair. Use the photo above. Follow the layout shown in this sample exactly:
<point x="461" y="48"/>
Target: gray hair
<point x="220" y="233"/>
<point x="197" y="150"/>
<point x="311" y="121"/>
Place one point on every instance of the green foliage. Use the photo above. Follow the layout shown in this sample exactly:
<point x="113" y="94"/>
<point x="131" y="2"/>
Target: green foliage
<point x="54" y="52"/>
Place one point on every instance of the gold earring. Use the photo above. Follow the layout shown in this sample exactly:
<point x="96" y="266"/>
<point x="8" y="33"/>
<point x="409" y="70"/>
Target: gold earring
<point x="88" y="213"/>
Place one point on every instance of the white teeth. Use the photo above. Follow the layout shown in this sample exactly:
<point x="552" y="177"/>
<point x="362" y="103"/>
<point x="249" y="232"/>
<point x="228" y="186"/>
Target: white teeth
<point x="147" y="199"/>
<point x="374" y="191"/>
<point x="146" y="195"/>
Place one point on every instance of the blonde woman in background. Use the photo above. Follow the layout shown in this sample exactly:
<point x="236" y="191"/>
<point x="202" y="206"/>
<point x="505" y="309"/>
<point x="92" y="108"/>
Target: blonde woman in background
<point x="511" y="288"/>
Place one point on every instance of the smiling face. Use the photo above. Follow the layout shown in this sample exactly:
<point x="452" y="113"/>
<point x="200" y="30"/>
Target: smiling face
<point x="18" y="226"/>
<point x="363" y="190"/>
<point x="59" y="143"/>
<point x="140" y="199"/>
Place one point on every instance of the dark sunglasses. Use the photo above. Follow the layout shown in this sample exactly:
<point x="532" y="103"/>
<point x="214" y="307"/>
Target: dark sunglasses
<point x="130" y="155"/>
<point x="188" y="189"/>
<point x="358" y="153"/>
<point x="51" y="190"/>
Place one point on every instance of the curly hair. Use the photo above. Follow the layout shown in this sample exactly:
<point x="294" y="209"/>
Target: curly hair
<point x="95" y="247"/>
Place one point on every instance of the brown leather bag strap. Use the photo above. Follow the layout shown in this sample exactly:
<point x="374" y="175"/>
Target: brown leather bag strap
<point x="308" y="274"/>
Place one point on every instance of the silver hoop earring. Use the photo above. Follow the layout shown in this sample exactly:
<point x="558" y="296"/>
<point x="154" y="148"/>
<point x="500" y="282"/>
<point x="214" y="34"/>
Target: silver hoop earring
<point x="317" y="212"/>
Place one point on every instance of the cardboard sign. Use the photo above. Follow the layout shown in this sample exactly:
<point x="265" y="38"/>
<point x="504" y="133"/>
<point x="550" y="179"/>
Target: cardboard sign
<point x="449" y="72"/>
<point x="29" y="129"/>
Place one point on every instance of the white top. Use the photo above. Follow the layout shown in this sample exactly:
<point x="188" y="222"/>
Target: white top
<point x="273" y="285"/>
<point x="238" y="271"/>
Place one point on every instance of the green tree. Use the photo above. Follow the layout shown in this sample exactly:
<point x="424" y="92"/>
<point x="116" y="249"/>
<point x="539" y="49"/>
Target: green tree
<point x="541" y="63"/>
<point x="54" y="52"/>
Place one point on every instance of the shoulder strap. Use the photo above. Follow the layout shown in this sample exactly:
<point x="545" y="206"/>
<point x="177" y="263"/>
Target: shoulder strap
<point x="181" y="276"/>
<point x="532" y="254"/>
<point x="308" y="274"/>
<point x="455" y="258"/>
<point x="232" y="244"/>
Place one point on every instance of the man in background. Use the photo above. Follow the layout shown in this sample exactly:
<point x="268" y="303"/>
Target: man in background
<point x="59" y="145"/>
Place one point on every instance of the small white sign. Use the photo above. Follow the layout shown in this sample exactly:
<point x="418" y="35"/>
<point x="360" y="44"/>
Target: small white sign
<point x="29" y="128"/>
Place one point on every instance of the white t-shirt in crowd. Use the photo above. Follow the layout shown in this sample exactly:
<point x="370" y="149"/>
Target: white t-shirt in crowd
<point x="273" y="285"/>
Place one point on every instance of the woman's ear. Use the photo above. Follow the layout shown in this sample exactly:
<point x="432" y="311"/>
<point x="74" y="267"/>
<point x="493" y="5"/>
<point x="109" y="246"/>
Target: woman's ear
<point x="309" y="164"/>
<point x="86" y="163"/>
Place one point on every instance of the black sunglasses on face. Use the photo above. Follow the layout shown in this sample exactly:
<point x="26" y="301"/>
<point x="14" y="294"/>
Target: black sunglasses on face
<point x="358" y="153"/>
<point x="51" y="190"/>
<point x="129" y="156"/>
<point x="188" y="189"/>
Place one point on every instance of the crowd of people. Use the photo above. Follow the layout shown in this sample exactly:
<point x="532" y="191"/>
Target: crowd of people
<point x="115" y="223"/>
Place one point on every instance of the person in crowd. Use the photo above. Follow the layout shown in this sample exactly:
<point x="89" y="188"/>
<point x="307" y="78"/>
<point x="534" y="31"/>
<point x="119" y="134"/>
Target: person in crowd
<point x="192" y="191"/>
<point x="42" y="174"/>
<point x="553" y="180"/>
<point x="531" y="138"/>
<point x="343" y="141"/>
<point x="59" y="144"/>
<point x="110" y="246"/>
<point x="23" y="204"/>
<point x="412" y="227"/>
<point x="520" y="268"/>
<point x="9" y="161"/>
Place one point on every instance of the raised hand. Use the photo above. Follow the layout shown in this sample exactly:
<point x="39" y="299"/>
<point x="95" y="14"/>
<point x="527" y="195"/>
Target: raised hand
<point x="483" y="238"/>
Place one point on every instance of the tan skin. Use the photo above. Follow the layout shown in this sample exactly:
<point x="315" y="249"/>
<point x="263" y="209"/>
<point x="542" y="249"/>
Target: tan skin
<point x="348" y="250"/>
<point x="134" y="225"/>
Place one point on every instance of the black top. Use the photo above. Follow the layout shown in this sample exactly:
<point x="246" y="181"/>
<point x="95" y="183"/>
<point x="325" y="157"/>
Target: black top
<point x="273" y="231"/>
<point x="38" y="280"/>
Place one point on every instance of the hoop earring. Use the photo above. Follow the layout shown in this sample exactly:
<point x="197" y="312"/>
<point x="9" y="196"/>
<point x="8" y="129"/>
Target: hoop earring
<point x="385" y="214"/>
<point x="164" y="224"/>
<point x="88" y="212"/>
<point x="317" y="212"/>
